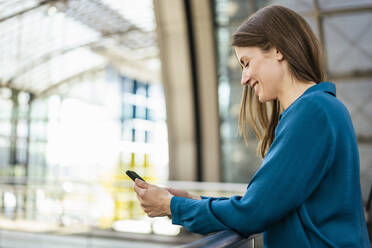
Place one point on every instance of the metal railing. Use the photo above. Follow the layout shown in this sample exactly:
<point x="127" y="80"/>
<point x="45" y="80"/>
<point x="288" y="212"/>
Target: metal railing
<point x="25" y="205"/>
<point x="62" y="203"/>
<point x="223" y="239"/>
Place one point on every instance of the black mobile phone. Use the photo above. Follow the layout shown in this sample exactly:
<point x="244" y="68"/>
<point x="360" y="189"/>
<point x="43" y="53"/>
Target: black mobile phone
<point x="133" y="175"/>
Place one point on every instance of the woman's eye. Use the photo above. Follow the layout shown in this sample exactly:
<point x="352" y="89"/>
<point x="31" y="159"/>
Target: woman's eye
<point x="246" y="65"/>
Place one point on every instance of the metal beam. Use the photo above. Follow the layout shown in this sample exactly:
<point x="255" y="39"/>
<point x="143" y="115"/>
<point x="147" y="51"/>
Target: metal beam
<point x="12" y="87"/>
<point x="49" y="90"/>
<point x="343" y="11"/>
<point x="54" y="86"/>
<point x="338" y="11"/>
<point x="352" y="75"/>
<point x="47" y="57"/>
<point x="41" y="3"/>
<point x="319" y="21"/>
<point x="44" y="59"/>
<point x="364" y="139"/>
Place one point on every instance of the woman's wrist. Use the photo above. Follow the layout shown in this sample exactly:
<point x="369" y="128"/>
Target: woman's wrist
<point x="195" y="197"/>
<point x="168" y="205"/>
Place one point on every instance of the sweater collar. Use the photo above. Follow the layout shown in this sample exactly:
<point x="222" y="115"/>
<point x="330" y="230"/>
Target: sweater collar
<point x="322" y="86"/>
<point x="327" y="87"/>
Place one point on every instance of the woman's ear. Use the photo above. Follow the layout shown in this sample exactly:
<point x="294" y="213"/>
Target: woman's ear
<point x="278" y="55"/>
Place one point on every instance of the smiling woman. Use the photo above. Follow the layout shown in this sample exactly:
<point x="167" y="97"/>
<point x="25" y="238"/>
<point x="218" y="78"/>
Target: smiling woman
<point x="290" y="52"/>
<point x="306" y="138"/>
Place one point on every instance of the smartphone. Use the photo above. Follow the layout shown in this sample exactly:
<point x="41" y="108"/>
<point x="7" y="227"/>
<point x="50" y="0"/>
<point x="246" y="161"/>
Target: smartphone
<point x="133" y="175"/>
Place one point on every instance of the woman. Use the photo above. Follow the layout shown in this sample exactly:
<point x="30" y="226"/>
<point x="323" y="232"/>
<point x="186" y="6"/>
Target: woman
<point x="307" y="191"/>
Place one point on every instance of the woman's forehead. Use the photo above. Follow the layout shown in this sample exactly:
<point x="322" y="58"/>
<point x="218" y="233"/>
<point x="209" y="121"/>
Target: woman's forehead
<point x="245" y="52"/>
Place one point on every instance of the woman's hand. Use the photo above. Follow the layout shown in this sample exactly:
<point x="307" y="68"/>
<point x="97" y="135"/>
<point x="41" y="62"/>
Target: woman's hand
<point x="154" y="200"/>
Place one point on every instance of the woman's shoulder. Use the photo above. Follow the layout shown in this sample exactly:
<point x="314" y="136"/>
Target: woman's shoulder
<point x="315" y="106"/>
<point x="326" y="104"/>
<point x="318" y="108"/>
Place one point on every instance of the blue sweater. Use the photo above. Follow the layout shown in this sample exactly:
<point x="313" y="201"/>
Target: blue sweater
<point x="307" y="191"/>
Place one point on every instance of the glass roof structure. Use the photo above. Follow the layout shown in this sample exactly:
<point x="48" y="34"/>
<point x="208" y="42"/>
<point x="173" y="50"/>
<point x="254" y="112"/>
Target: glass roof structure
<point x="46" y="43"/>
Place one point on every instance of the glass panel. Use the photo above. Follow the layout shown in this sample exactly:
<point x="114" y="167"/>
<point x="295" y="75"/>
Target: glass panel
<point x="356" y="94"/>
<point x="39" y="110"/>
<point x="21" y="155"/>
<point x="77" y="150"/>
<point x="11" y="7"/>
<point x="22" y="129"/>
<point x="140" y="12"/>
<point x="4" y="154"/>
<point x="37" y="161"/>
<point x="5" y="128"/>
<point x="347" y="41"/>
<point x="365" y="168"/>
<point x="238" y="161"/>
<point x="336" y="4"/>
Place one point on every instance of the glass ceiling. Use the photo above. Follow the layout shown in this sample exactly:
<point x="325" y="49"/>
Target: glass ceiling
<point x="46" y="42"/>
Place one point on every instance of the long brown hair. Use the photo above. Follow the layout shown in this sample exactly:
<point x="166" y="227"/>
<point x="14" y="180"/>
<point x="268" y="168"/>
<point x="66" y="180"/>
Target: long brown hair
<point x="289" y="33"/>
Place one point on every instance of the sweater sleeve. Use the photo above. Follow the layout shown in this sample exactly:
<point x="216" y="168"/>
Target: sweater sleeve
<point x="298" y="159"/>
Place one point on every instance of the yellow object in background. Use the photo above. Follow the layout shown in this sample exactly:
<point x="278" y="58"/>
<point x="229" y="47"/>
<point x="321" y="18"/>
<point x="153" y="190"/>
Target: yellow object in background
<point x="149" y="170"/>
<point x="120" y="186"/>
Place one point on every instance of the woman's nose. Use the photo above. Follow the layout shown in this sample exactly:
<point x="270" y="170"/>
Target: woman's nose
<point x="245" y="78"/>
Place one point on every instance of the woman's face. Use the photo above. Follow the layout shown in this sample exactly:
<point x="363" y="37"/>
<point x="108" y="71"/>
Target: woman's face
<point x="261" y="70"/>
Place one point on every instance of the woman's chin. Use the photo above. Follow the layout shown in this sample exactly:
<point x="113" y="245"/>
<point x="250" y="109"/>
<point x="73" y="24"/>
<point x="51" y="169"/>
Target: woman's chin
<point x="261" y="99"/>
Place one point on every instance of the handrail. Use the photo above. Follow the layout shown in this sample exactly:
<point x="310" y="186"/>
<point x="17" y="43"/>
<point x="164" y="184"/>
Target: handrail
<point x="222" y="239"/>
<point x="23" y="186"/>
<point x="185" y="185"/>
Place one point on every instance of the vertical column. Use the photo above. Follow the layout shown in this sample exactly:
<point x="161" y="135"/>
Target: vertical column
<point x="13" y="131"/>
<point x="177" y="80"/>
<point x="27" y="160"/>
<point x="205" y="47"/>
<point x="319" y="22"/>
<point x="29" y="109"/>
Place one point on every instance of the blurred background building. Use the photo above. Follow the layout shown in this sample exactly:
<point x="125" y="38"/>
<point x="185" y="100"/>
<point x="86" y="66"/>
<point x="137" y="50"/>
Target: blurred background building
<point x="91" y="88"/>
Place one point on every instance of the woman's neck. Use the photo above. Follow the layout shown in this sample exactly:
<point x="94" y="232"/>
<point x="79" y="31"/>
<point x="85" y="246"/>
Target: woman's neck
<point x="291" y="91"/>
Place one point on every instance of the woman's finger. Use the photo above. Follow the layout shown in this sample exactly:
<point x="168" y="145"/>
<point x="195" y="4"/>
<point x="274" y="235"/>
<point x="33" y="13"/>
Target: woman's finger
<point x="145" y="205"/>
<point x="141" y="184"/>
<point x="140" y="192"/>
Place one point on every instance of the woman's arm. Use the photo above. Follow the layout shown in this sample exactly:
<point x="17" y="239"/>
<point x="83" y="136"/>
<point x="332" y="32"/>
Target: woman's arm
<point x="298" y="159"/>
